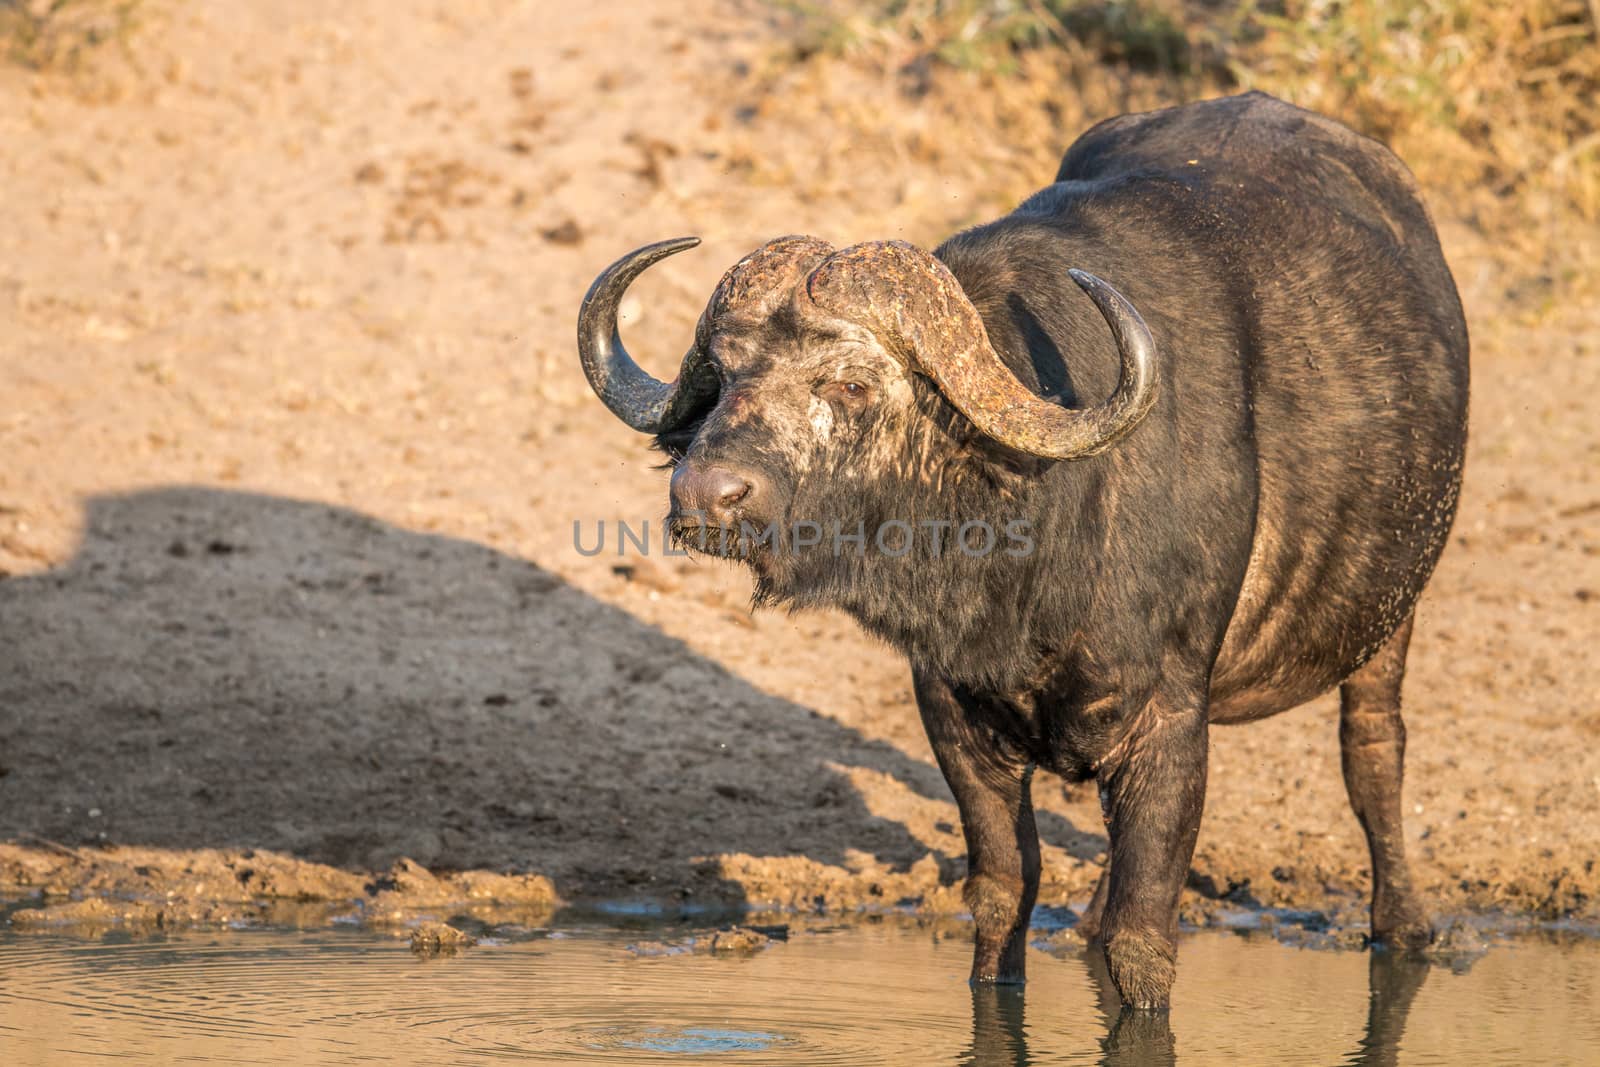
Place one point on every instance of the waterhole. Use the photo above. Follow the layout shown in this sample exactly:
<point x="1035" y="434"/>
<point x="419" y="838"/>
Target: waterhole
<point x="871" y="993"/>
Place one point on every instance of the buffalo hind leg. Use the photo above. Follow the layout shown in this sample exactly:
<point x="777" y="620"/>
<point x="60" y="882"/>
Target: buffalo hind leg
<point x="991" y="785"/>
<point x="1153" y="793"/>
<point x="1372" y="747"/>
<point x="1089" y="922"/>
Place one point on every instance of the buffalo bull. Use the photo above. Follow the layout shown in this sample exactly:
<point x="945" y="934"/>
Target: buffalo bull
<point x="1100" y="541"/>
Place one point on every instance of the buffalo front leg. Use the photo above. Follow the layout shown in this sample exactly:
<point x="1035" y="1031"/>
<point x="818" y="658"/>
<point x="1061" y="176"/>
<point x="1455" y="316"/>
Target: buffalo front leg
<point x="1153" y="791"/>
<point x="990" y="783"/>
<point x="1372" y="749"/>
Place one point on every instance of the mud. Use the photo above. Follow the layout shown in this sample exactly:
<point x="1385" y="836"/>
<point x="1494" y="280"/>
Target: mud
<point x="292" y="628"/>
<point x="63" y="889"/>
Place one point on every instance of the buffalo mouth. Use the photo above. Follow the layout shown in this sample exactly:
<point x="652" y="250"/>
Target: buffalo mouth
<point x="721" y="541"/>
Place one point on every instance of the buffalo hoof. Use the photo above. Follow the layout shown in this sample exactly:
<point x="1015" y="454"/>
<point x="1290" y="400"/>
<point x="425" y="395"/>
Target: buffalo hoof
<point x="1409" y="936"/>
<point x="1142" y="967"/>
<point x="1403" y="927"/>
<point x="998" y="978"/>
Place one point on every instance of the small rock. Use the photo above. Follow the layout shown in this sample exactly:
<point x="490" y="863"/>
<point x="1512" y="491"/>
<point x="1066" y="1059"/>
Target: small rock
<point x="1458" y="946"/>
<point x="409" y="876"/>
<point x="1348" y="936"/>
<point x="91" y="913"/>
<point x="648" y="574"/>
<point x="738" y="939"/>
<point x="1458" y="937"/>
<point x="656" y="948"/>
<point x="439" y="939"/>
<point x="1061" y="942"/>
<point x="568" y="233"/>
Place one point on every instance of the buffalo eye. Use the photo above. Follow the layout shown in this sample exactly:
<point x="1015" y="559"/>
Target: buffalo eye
<point x="851" y="394"/>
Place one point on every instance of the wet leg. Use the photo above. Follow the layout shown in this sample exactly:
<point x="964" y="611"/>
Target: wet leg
<point x="1133" y="1038"/>
<point x="1094" y="914"/>
<point x="1154" y="793"/>
<point x="1372" y="745"/>
<point x="991" y="785"/>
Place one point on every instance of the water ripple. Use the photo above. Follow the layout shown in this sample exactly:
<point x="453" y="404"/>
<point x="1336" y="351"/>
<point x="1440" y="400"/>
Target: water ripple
<point x="868" y="994"/>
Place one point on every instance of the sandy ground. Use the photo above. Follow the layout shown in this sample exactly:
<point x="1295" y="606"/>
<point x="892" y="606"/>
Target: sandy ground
<point x="293" y="438"/>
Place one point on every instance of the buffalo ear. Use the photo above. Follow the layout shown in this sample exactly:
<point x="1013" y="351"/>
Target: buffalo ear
<point x="970" y="456"/>
<point x="674" y="444"/>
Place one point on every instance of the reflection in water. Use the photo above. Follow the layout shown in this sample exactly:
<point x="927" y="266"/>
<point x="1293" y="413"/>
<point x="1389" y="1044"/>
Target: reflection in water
<point x="1140" y="1037"/>
<point x="999" y="1038"/>
<point x="1000" y="1033"/>
<point x="1145" y="1039"/>
<point x="1393" y="980"/>
<point x="1132" y="1037"/>
<point x="889" y="992"/>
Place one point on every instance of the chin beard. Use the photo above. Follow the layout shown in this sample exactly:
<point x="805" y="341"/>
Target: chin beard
<point x="783" y="578"/>
<point x="798" y="583"/>
<point x="770" y="591"/>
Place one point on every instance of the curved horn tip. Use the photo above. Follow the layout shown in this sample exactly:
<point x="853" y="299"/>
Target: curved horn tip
<point x="678" y="244"/>
<point x="620" y="274"/>
<point x="633" y="395"/>
<point x="1118" y="310"/>
<point x="653" y="253"/>
<point x="656" y="251"/>
<point x="1086" y="281"/>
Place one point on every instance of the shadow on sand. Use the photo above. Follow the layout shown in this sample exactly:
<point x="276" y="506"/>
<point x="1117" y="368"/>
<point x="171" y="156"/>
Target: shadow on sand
<point x="223" y="669"/>
<point x="220" y="669"/>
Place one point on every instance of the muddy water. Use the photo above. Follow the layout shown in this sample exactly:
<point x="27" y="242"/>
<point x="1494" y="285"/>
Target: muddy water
<point x="870" y="993"/>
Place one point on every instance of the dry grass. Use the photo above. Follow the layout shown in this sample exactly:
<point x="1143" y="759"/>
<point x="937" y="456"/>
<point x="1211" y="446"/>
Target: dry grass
<point x="63" y="34"/>
<point x="1499" y="96"/>
<point x="1494" y="103"/>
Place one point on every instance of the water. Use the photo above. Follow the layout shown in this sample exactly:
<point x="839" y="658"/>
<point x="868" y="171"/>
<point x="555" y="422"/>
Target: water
<point x="890" y="992"/>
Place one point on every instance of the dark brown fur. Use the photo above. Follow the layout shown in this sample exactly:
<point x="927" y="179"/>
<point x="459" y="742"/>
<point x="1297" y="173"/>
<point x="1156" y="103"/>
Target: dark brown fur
<point x="1260" y="537"/>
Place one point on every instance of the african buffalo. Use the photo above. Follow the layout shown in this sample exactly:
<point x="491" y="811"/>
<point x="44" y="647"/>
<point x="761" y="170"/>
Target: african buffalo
<point x="1229" y="502"/>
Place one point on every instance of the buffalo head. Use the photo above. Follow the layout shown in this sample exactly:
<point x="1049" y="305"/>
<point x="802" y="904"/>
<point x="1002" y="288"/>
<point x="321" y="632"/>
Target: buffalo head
<point x="826" y="387"/>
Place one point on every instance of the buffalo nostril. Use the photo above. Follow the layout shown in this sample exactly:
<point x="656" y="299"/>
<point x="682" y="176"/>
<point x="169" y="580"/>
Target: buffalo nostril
<point x="712" y="491"/>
